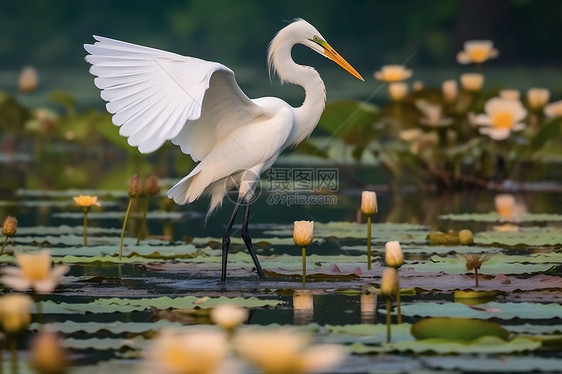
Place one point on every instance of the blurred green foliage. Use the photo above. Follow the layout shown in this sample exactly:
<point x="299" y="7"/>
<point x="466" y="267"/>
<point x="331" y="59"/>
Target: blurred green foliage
<point x="51" y="32"/>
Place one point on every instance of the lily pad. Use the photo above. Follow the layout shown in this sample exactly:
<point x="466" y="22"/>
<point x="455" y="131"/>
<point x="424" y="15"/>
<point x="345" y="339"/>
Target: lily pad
<point x="502" y="364"/>
<point x="495" y="217"/>
<point x="483" y="345"/>
<point x="489" y="310"/>
<point x="465" y="329"/>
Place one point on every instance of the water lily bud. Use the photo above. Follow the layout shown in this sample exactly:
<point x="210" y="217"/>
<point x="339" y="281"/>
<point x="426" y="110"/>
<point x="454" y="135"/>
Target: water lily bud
<point x="450" y="90"/>
<point x="10" y="226"/>
<point x="14" y="312"/>
<point x="393" y="254"/>
<point x="229" y="316"/>
<point x="510" y="94"/>
<point x="151" y="186"/>
<point x="134" y="186"/>
<point x="472" y="81"/>
<point x="538" y="97"/>
<point x="466" y="237"/>
<point x="397" y="90"/>
<point x="417" y="85"/>
<point x="389" y="282"/>
<point x="47" y="354"/>
<point x="28" y="79"/>
<point x="303" y="233"/>
<point x="369" y="203"/>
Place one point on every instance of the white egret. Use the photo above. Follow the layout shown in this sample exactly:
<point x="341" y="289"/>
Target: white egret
<point x="156" y="96"/>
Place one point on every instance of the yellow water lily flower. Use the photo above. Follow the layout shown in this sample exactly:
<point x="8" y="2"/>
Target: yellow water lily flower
<point x="501" y="118"/>
<point x="397" y="91"/>
<point x="393" y="254"/>
<point x="393" y="73"/>
<point x="35" y="271"/>
<point x="477" y="51"/>
<point x="86" y="201"/>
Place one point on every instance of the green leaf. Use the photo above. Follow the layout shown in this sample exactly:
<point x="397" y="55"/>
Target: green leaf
<point x="548" y="131"/>
<point x="465" y="329"/>
<point x="483" y="311"/>
<point x="112" y="305"/>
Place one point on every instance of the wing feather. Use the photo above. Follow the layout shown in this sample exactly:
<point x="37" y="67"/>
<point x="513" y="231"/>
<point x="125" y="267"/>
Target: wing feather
<point x="156" y="96"/>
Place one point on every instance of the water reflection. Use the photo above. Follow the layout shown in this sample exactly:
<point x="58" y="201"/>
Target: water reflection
<point x="368" y="308"/>
<point x="303" y="307"/>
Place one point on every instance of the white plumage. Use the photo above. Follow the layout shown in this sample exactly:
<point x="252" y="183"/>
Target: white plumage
<point x="156" y="96"/>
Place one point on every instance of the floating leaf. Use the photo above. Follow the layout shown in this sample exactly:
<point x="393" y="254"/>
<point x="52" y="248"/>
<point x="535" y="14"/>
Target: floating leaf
<point x="502" y="364"/>
<point x="495" y="217"/>
<point x="129" y="305"/>
<point x="483" y="345"/>
<point x="484" y="311"/>
<point x="465" y="329"/>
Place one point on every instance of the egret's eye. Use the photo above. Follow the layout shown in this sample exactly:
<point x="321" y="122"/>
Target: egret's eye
<point x="316" y="38"/>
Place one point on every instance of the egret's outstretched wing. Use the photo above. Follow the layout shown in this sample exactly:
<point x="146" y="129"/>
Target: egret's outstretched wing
<point x="156" y="96"/>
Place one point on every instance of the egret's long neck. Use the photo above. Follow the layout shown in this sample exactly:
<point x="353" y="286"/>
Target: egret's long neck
<point x="308" y="114"/>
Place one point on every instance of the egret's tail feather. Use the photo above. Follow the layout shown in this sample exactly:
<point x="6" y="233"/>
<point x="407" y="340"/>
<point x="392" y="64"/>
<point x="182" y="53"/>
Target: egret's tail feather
<point x="183" y="191"/>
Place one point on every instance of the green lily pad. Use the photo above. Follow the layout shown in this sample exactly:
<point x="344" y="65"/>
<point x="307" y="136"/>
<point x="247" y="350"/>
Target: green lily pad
<point x="465" y="329"/>
<point x="484" y="311"/>
<point x="535" y="237"/>
<point x="483" y="345"/>
<point x="129" y="305"/>
<point x="495" y="217"/>
<point x="497" y="264"/>
<point x="502" y="364"/>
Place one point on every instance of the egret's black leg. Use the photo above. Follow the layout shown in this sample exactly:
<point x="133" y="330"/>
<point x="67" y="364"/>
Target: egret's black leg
<point x="248" y="241"/>
<point x="226" y="241"/>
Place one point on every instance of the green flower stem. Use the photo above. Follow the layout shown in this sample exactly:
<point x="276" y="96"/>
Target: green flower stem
<point x="124" y="225"/>
<point x="476" y="276"/>
<point x="4" y="245"/>
<point x="85" y="227"/>
<point x="388" y="320"/>
<point x="143" y="220"/>
<point x="369" y="242"/>
<point x="303" y="265"/>
<point x="13" y="354"/>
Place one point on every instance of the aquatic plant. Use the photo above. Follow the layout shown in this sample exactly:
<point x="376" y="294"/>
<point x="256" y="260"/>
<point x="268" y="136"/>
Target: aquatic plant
<point x="9" y="229"/>
<point x="34" y="270"/>
<point x="86" y="202"/>
<point x="368" y="208"/>
<point x="303" y="234"/>
<point x="133" y="192"/>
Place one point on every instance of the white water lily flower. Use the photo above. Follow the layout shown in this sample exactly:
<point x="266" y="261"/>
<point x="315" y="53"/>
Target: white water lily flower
<point x="477" y="51"/>
<point x="186" y="351"/>
<point x="554" y="110"/>
<point x="501" y="118"/>
<point x="229" y="316"/>
<point x="433" y="115"/>
<point x="35" y="271"/>
<point x="282" y="350"/>
<point x="393" y="73"/>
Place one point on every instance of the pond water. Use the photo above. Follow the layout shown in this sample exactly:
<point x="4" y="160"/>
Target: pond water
<point x="107" y="310"/>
